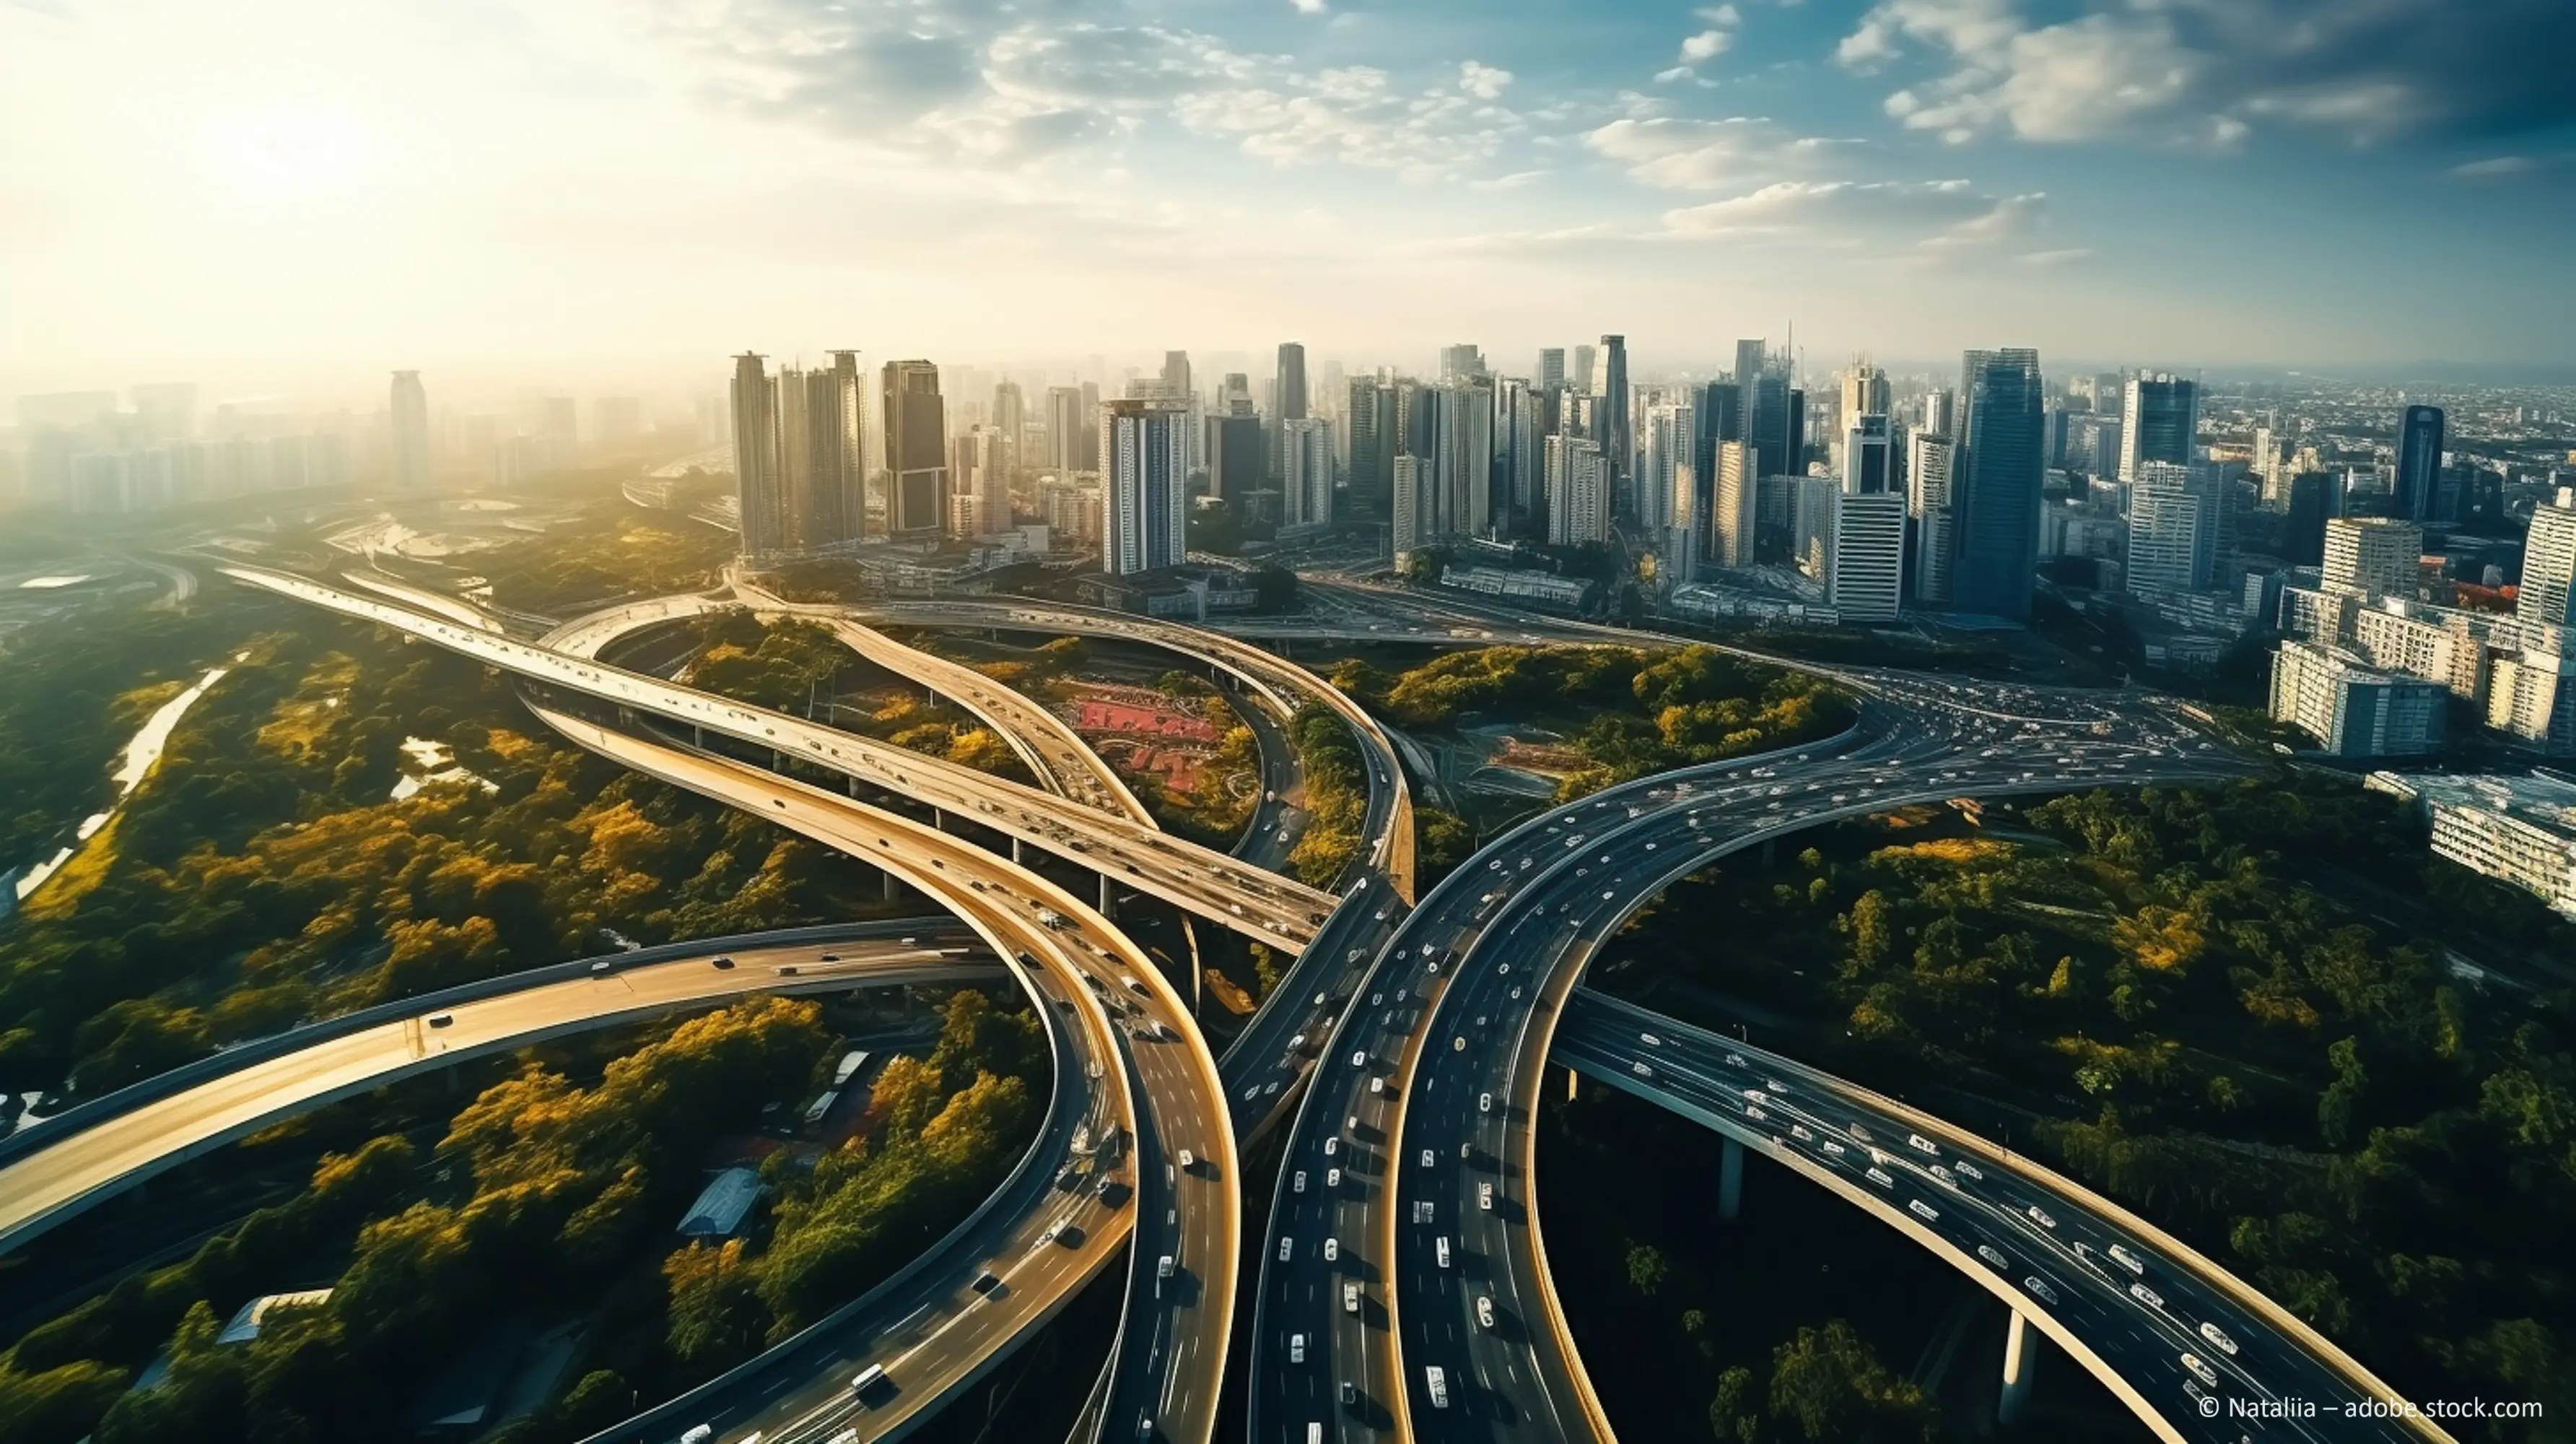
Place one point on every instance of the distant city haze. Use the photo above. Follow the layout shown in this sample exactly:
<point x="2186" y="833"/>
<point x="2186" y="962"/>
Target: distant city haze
<point x="301" y="197"/>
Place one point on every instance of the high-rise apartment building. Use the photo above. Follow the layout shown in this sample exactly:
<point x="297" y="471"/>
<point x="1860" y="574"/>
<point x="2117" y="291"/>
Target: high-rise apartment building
<point x="2419" y="465"/>
<point x="916" y="450"/>
<point x="768" y="525"/>
<point x="1144" y="454"/>
<point x="1997" y="484"/>
<point x="1011" y="415"/>
<point x="2176" y="517"/>
<point x="1929" y="456"/>
<point x="1578" y="491"/>
<point x="2373" y="556"/>
<point x="1868" y="583"/>
<point x="410" y="433"/>
<point x="1236" y="458"/>
<point x="2548" y="590"/>
<point x="1869" y="456"/>
<point x="1306" y="485"/>
<point x="1406" y="476"/>
<point x="821" y="458"/>
<point x="1671" y="434"/>
<point x="1463" y="453"/>
<point x="2159" y="420"/>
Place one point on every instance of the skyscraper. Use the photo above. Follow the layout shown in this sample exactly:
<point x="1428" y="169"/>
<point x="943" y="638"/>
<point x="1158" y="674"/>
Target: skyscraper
<point x="1578" y="491"/>
<point x="1582" y="379"/>
<point x="1734" y="508"/>
<point x="821" y="473"/>
<point x="2313" y="497"/>
<point x="2548" y="591"/>
<point x="1235" y="464"/>
<point x="1671" y="433"/>
<point x="1551" y="368"/>
<point x="1928" y="463"/>
<point x="1621" y="439"/>
<point x="1064" y="429"/>
<point x="1144" y="451"/>
<point x="767" y="522"/>
<point x="1292" y="381"/>
<point x="1461" y="362"/>
<point x="411" y="433"/>
<point x="1306" y="488"/>
<point x="1997" y="484"/>
<point x="1375" y="442"/>
<point x="1869" y="461"/>
<point x="1010" y="413"/>
<point x="2159" y="421"/>
<point x="1463" y="453"/>
<point x="1404" y="515"/>
<point x="2419" y="464"/>
<point x="916" y="451"/>
<point x="1869" y="555"/>
<point x="1865" y="391"/>
<point x="2176" y="517"/>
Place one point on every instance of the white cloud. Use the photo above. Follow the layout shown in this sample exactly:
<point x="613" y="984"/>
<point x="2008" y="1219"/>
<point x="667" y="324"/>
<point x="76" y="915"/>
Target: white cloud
<point x="2495" y="166"/>
<point x="1484" y="82"/>
<point x="1853" y="213"/>
<point x="1706" y="45"/>
<point x="1357" y="116"/>
<point x="1680" y="154"/>
<point x="1675" y="74"/>
<point x="1308" y="7"/>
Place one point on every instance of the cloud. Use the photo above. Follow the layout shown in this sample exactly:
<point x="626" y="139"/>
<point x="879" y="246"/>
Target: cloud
<point x="1843" y="209"/>
<point x="2501" y="165"/>
<point x="1308" y="7"/>
<point x="2050" y="259"/>
<point x="1679" y="154"/>
<point x="1483" y="81"/>
<point x="2202" y="71"/>
<point x="1356" y="115"/>
<point x="1706" y="45"/>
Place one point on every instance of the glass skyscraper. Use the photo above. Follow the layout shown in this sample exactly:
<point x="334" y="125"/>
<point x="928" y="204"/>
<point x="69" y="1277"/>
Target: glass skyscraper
<point x="1996" y="526"/>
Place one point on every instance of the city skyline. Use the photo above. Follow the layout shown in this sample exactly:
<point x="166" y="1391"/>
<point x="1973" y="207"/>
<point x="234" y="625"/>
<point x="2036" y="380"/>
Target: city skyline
<point x="1900" y="178"/>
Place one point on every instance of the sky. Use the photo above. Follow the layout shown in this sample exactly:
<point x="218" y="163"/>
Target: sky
<point x="596" y="194"/>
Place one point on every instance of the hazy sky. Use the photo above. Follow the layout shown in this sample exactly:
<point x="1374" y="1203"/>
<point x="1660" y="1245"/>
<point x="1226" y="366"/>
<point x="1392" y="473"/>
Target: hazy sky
<point x="592" y="193"/>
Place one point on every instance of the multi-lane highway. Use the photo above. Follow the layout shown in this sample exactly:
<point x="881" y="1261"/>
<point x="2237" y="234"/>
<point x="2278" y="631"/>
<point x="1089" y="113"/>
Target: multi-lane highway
<point x="79" y="1169"/>
<point x="1278" y="911"/>
<point x="2137" y="1308"/>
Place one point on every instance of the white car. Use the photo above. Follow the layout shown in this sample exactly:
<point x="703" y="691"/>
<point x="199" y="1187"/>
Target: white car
<point x="2040" y="1216"/>
<point x="2039" y="1289"/>
<point x="1990" y="1254"/>
<point x="2199" y="1369"/>
<point x="1332" y="1146"/>
<point x="1332" y="1249"/>
<point x="2147" y="1296"/>
<point x="1485" y="1201"/>
<point x="1332" y="1178"/>
<point x="1297" y="1181"/>
<point x="1923" y="1210"/>
<point x="1429" y="1157"/>
<point x="2218" y="1339"/>
<point x="1485" y="1310"/>
<point x="1484" y="1102"/>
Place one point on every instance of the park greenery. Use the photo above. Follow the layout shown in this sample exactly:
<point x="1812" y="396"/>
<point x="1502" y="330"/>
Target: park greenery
<point x="578" y="569"/>
<point x="263" y="874"/>
<point x="1629" y="712"/>
<point x="567" y="1191"/>
<point x="2241" y="1011"/>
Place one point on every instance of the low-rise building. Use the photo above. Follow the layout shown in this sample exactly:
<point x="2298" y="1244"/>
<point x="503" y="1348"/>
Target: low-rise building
<point x="2352" y="710"/>
<point x="2521" y="830"/>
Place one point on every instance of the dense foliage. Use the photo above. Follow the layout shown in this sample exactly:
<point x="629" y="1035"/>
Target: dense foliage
<point x="2234" y="1010"/>
<point x="262" y="874"/>
<point x="575" y="570"/>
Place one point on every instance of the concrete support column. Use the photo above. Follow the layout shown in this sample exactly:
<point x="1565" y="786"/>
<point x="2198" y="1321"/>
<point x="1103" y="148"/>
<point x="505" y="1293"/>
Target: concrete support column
<point x="1015" y="851"/>
<point x="939" y="819"/>
<point x="1104" y="894"/>
<point x="893" y="889"/>
<point x="1573" y="1084"/>
<point x="1770" y="851"/>
<point x="2021" y="1359"/>
<point x="1730" y="1181"/>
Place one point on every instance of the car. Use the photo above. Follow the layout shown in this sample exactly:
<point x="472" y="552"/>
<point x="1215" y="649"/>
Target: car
<point x="1377" y="1084"/>
<point x="1297" y="1181"/>
<point x="1650" y="1040"/>
<point x="1879" y="1177"/>
<point x="442" y="1020"/>
<point x="1440" y="1248"/>
<point x="2199" y="1369"/>
<point x="1485" y="1310"/>
<point x="1332" y="1249"/>
<point x="2039" y="1289"/>
<point x="1429" y="1158"/>
<point x="2147" y="1296"/>
<point x="1832" y="1149"/>
<point x="1641" y="1070"/>
<point x="1734" y="1060"/>
<point x="1296" y="1348"/>
<point x="1350" y="1298"/>
<point x="1360" y="1058"/>
<point x="722" y="964"/>
<point x="1484" y="1102"/>
<point x="1163" y="1267"/>
<point x="1944" y="1177"/>
<point x="985" y="1282"/>
<point x="1189" y="1160"/>
<point x="1458" y="1044"/>
<point x="1516" y="990"/>
<point x="1485" y="1197"/>
<point x="1968" y="1170"/>
<point x="2218" y="1339"/>
<point x="1332" y="1146"/>
<point x="1992" y="1255"/>
<point x="1921" y="1144"/>
<point x="1145" y="1426"/>
<point x="1755" y="1112"/>
<point x="2120" y="1255"/>
<point x="1332" y="1178"/>
<point x="2040" y="1216"/>
<point x="1799" y="1132"/>
<point x="1350" y="1391"/>
<point x="603" y="967"/>
<point x="1607" y="895"/>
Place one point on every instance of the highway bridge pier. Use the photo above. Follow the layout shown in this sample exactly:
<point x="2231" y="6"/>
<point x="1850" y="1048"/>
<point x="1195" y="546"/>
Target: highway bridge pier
<point x="2021" y="1360"/>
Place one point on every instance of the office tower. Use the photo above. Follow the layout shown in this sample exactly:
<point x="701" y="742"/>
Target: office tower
<point x="1236" y="457"/>
<point x="2312" y="502"/>
<point x="1374" y="444"/>
<point x="766" y="526"/>
<point x="1404" y="516"/>
<point x="1937" y="411"/>
<point x="1811" y="525"/>
<point x="1865" y="393"/>
<point x="1010" y="414"/>
<point x="1868" y="583"/>
<point x="1176" y="374"/>
<point x="1582" y="379"/>
<point x="1734" y="506"/>
<point x="1086" y="453"/>
<point x="1234" y="396"/>
<point x="1621" y="438"/>
<point x="916" y="450"/>
<point x="1551" y="368"/>
<point x="1064" y="429"/>
<point x="2419" y="465"/>
<point x="1463" y="456"/>
<point x="411" y="433"/>
<point x="1523" y="488"/>
<point x="1578" y="491"/>
<point x="1929" y="459"/>
<point x="1869" y="458"/>
<point x="821" y="468"/>
<point x="1997" y="484"/>
<point x="1292" y="381"/>
<point x="2548" y="592"/>
<point x="2374" y="556"/>
<point x="1144" y="453"/>
<point x="2159" y="421"/>
<point x="1461" y="362"/>
<point x="1671" y="433"/>
<point x="2176" y="516"/>
<point x="1306" y="488"/>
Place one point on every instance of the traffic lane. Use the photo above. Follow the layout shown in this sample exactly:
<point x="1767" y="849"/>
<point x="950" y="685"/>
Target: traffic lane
<point x="39" y="1189"/>
<point x="2014" y="1211"/>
